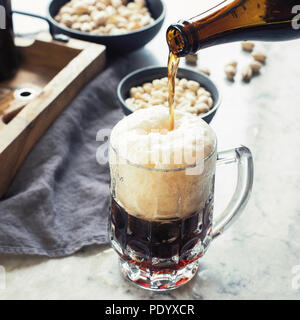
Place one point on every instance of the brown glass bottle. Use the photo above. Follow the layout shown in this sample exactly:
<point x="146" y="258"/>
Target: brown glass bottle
<point x="236" y="20"/>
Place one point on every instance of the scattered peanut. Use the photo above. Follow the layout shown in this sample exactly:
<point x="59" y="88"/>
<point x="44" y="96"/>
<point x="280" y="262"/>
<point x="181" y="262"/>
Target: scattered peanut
<point x="259" y="56"/>
<point x="230" y="70"/>
<point x="191" y="59"/>
<point x="247" y="74"/>
<point x="232" y="63"/>
<point x="204" y="70"/>
<point x="255" y="67"/>
<point x="105" y="16"/>
<point x="247" y="46"/>
<point x="189" y="96"/>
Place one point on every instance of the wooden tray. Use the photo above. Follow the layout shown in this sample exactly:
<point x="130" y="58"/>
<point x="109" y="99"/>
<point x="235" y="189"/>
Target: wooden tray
<point x="54" y="72"/>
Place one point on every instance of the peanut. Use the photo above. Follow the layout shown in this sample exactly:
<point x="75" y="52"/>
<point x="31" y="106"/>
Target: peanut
<point x="204" y="70"/>
<point x="255" y="67"/>
<point x="247" y="74"/>
<point x="259" y="56"/>
<point x="247" y="46"/>
<point x="230" y="71"/>
<point x="191" y="59"/>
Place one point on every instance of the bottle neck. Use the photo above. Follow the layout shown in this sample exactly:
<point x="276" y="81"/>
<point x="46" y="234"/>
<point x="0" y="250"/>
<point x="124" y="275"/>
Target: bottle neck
<point x="234" y="20"/>
<point x="178" y="40"/>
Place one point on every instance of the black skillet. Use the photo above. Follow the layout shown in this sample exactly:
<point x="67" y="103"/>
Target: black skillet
<point x="121" y="43"/>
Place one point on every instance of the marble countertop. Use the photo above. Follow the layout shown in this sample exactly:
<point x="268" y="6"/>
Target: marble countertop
<point x="259" y="256"/>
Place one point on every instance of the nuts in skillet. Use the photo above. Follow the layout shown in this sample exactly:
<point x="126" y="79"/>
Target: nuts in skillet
<point x="104" y="16"/>
<point x="189" y="96"/>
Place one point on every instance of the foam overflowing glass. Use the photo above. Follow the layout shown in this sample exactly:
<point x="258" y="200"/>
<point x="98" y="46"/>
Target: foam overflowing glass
<point x="161" y="219"/>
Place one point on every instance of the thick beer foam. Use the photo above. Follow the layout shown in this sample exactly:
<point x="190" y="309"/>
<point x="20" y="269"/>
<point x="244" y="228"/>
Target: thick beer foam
<point x="148" y="164"/>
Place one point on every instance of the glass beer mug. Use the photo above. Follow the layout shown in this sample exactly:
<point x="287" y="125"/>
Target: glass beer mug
<point x="161" y="219"/>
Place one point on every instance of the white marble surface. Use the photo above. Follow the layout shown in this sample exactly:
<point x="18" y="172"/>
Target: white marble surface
<point x="256" y="257"/>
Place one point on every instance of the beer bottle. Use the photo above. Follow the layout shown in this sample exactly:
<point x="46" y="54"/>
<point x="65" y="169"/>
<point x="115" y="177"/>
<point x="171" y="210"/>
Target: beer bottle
<point x="9" y="55"/>
<point x="236" y="20"/>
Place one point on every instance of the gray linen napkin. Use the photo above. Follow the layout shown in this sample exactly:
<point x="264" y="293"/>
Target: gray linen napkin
<point x="59" y="200"/>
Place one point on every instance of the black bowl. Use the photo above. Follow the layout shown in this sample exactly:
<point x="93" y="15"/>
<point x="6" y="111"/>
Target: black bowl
<point x="121" y="43"/>
<point x="148" y="74"/>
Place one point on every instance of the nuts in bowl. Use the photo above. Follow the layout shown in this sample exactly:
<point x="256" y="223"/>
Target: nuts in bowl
<point x="195" y="93"/>
<point x="116" y="41"/>
<point x="104" y="17"/>
<point x="189" y="96"/>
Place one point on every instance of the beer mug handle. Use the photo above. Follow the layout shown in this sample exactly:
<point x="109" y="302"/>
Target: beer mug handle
<point x="243" y="158"/>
